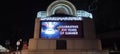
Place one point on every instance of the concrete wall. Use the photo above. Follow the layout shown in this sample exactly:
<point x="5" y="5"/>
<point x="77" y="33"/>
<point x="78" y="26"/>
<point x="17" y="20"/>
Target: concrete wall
<point x="87" y="45"/>
<point x="71" y="44"/>
<point x="64" y="52"/>
<point x="89" y="29"/>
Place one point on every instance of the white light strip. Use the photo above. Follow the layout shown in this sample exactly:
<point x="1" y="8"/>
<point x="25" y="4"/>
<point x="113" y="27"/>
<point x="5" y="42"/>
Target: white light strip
<point x="61" y="18"/>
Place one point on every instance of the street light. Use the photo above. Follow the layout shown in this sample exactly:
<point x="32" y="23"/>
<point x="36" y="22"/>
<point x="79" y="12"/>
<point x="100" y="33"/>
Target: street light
<point x="17" y="43"/>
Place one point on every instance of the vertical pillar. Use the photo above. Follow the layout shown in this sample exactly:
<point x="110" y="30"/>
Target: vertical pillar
<point x="99" y="45"/>
<point x="89" y="29"/>
<point x="37" y="28"/>
<point x="33" y="43"/>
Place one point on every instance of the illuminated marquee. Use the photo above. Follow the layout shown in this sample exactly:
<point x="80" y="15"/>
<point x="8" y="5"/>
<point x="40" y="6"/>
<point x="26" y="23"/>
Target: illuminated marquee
<point x="61" y="19"/>
<point x="61" y="27"/>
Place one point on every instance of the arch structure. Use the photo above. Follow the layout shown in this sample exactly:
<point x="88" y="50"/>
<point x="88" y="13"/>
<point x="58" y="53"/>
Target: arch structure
<point x="65" y="7"/>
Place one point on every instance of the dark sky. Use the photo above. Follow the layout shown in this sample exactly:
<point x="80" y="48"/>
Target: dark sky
<point x="17" y="16"/>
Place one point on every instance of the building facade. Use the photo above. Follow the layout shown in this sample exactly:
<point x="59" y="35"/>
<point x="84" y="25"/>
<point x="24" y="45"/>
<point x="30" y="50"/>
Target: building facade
<point x="64" y="34"/>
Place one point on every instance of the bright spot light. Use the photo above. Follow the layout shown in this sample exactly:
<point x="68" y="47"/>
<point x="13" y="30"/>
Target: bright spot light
<point x="50" y="31"/>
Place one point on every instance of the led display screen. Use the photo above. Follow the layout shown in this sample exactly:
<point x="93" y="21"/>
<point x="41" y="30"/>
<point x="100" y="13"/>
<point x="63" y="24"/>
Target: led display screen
<point x="61" y="29"/>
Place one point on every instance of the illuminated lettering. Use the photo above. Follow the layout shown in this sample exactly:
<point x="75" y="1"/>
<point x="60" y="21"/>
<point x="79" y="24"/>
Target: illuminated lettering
<point x="71" y="33"/>
<point x="62" y="33"/>
<point x="63" y="29"/>
<point x="72" y="29"/>
<point x="68" y="26"/>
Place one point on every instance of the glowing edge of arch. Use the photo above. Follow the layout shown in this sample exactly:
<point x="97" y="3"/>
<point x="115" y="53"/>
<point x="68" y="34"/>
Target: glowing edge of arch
<point x="62" y="5"/>
<point x="58" y="2"/>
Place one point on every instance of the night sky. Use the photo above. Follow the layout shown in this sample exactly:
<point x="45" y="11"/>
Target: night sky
<point x="17" y="16"/>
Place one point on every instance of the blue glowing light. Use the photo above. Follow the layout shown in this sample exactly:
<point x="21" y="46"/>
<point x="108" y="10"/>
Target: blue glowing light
<point x="50" y="30"/>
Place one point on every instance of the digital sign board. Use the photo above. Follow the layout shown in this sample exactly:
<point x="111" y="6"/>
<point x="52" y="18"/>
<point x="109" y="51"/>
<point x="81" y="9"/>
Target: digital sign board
<point x="61" y="28"/>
